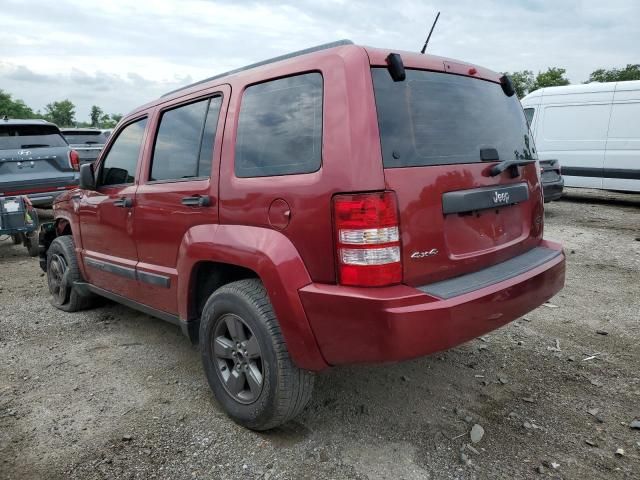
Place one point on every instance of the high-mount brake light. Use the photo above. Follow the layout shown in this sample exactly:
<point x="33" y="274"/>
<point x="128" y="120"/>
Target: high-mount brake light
<point x="368" y="239"/>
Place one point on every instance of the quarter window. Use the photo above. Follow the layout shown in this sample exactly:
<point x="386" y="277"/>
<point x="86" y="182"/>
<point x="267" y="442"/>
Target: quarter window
<point x="119" y="166"/>
<point x="280" y="127"/>
<point x="184" y="145"/>
<point x="528" y="113"/>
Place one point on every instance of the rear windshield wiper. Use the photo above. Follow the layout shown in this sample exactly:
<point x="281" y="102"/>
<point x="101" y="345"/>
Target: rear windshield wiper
<point x="91" y="142"/>
<point x="34" y="145"/>
<point x="509" y="164"/>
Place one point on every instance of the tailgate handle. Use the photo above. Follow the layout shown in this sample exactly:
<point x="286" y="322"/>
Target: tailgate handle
<point x="124" y="202"/>
<point x="197" y="201"/>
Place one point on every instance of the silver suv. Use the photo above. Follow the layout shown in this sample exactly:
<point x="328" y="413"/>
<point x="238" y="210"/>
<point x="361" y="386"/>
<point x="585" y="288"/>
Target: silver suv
<point x="36" y="161"/>
<point x="88" y="142"/>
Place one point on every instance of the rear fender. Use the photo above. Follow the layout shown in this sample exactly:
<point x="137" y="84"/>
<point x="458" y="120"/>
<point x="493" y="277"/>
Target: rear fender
<point x="274" y="259"/>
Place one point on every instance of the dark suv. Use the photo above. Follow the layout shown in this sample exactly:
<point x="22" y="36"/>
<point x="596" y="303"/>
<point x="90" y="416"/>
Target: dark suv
<point x="35" y="160"/>
<point x="341" y="204"/>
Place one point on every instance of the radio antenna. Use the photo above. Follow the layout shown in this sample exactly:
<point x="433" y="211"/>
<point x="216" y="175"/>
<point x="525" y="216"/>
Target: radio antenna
<point x="424" y="48"/>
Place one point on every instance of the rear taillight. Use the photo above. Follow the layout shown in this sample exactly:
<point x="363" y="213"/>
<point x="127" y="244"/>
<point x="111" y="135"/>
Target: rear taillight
<point x="368" y="239"/>
<point x="74" y="160"/>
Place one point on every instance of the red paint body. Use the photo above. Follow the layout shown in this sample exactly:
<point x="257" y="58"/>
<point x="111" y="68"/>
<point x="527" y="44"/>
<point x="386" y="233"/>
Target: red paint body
<point x="294" y="255"/>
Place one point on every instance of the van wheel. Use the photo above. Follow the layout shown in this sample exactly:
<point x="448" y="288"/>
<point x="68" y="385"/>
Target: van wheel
<point x="17" y="238"/>
<point x="62" y="272"/>
<point x="246" y="360"/>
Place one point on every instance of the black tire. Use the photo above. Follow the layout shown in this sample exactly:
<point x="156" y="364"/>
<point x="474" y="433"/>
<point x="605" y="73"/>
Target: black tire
<point x="32" y="243"/>
<point x="62" y="272"/>
<point x="17" y="238"/>
<point x="285" y="389"/>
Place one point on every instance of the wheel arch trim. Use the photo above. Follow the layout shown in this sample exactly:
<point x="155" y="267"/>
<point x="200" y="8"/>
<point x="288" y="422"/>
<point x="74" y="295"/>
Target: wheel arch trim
<point x="274" y="259"/>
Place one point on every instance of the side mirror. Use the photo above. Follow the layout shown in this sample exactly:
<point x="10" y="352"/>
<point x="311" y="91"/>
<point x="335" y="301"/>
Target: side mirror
<point x="87" y="178"/>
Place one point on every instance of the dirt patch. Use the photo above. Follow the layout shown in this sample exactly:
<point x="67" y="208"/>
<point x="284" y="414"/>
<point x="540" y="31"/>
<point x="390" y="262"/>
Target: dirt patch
<point x="111" y="393"/>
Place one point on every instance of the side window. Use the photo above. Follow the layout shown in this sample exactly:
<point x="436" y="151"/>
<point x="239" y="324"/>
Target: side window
<point x="624" y="121"/>
<point x="280" y="127"/>
<point x="119" y="166"/>
<point x="528" y="113"/>
<point x="184" y="144"/>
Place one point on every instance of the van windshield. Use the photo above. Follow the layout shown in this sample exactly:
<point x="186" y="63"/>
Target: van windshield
<point x="436" y="118"/>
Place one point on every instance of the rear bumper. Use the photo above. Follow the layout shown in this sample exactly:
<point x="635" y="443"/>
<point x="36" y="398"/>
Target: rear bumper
<point x="552" y="190"/>
<point x="355" y="325"/>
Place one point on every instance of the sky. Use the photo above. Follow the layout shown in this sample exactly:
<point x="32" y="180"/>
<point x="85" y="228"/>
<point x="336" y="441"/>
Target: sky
<point x="119" y="54"/>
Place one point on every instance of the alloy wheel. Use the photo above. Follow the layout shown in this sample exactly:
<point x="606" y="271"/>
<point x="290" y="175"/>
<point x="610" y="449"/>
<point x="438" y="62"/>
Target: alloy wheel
<point x="238" y="358"/>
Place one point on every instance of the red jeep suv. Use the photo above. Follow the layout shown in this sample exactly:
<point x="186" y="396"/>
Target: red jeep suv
<point x="336" y="205"/>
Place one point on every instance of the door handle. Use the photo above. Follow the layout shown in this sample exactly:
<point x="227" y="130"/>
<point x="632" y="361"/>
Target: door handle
<point x="197" y="201"/>
<point x="124" y="202"/>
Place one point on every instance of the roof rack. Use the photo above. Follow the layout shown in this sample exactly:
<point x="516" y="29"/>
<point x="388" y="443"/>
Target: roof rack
<point x="324" y="46"/>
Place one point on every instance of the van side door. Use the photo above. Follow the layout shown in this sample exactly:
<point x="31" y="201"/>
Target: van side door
<point x="106" y="213"/>
<point x="572" y="128"/>
<point x="622" y="158"/>
<point x="178" y="190"/>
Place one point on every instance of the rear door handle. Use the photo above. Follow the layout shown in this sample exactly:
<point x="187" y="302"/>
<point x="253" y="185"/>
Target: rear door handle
<point x="124" y="202"/>
<point x="197" y="201"/>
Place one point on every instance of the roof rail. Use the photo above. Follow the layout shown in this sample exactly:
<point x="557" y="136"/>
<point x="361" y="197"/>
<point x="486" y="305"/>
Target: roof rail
<point x="324" y="46"/>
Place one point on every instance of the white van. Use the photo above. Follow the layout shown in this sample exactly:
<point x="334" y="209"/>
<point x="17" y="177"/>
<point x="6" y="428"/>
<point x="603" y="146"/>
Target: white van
<point x="592" y="129"/>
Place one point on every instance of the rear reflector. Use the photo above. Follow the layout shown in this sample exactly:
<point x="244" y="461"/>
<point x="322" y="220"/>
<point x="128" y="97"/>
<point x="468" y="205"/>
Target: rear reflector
<point x="368" y="239"/>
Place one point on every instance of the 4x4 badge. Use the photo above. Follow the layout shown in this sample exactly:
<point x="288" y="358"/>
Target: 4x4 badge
<point x="428" y="253"/>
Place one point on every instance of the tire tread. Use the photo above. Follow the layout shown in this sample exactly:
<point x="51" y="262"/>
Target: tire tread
<point x="295" y="385"/>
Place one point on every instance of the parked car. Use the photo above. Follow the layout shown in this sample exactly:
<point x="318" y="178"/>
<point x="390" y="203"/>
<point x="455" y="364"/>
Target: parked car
<point x="592" y="129"/>
<point x="88" y="142"/>
<point x="552" y="181"/>
<point x="35" y="160"/>
<point x="338" y="205"/>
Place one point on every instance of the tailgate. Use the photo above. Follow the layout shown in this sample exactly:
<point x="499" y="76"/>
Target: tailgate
<point x="441" y="134"/>
<point x="36" y="169"/>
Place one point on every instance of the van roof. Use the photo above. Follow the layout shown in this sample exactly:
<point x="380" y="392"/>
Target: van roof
<point x="585" y="88"/>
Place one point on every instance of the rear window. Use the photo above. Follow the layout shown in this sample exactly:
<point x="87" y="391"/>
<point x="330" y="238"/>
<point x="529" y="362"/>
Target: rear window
<point x="87" y="138"/>
<point x="441" y="119"/>
<point x="17" y="137"/>
<point x="280" y="127"/>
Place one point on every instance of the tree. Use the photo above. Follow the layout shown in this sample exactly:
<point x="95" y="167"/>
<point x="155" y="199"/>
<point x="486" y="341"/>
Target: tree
<point x="553" y="77"/>
<point x="96" y="113"/>
<point x="630" y="72"/>
<point x="61" y="113"/>
<point x="14" y="108"/>
<point x="110" y="121"/>
<point x="522" y="81"/>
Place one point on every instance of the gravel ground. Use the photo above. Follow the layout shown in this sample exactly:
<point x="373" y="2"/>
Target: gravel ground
<point x="111" y="393"/>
